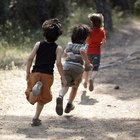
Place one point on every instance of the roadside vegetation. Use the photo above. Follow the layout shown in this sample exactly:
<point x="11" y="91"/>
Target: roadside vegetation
<point x="17" y="38"/>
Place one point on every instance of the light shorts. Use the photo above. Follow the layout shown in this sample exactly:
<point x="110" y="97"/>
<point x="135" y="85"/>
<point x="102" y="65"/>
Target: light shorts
<point x="45" y="96"/>
<point x="73" y="74"/>
<point x="95" y="61"/>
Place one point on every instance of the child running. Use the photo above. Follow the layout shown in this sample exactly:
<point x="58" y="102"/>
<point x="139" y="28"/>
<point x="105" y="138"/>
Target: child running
<point x="40" y="78"/>
<point x="95" y="40"/>
<point x="73" y="67"/>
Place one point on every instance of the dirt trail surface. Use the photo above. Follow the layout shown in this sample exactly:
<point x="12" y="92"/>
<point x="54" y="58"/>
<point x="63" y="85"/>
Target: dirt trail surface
<point x="104" y="114"/>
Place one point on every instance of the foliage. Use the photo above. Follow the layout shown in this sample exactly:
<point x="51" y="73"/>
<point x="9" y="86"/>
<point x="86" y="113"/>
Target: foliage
<point x="34" y="13"/>
<point x="20" y="18"/>
<point x="137" y="6"/>
<point x="78" y="17"/>
<point x="20" y="22"/>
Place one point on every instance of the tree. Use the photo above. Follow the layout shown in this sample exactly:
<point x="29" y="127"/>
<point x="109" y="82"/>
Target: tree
<point x="34" y="13"/>
<point x="2" y="12"/>
<point x="123" y="4"/>
<point x="103" y="6"/>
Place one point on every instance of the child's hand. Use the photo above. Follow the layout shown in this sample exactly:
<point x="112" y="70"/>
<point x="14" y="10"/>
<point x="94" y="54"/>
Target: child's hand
<point x="89" y="64"/>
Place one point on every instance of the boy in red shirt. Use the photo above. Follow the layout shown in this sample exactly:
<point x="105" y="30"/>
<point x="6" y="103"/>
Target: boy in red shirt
<point x="95" y="40"/>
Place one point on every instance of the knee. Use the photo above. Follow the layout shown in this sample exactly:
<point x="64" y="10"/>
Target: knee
<point x="31" y="99"/>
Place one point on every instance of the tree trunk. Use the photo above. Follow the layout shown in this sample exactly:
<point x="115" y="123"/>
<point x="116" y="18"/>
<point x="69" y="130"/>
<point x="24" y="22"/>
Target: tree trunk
<point x="102" y="6"/>
<point x="123" y="4"/>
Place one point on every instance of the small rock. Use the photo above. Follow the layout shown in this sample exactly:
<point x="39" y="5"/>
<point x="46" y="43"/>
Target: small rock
<point x="116" y="87"/>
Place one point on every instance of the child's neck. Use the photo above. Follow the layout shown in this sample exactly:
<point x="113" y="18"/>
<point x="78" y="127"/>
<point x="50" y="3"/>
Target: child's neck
<point x="48" y="41"/>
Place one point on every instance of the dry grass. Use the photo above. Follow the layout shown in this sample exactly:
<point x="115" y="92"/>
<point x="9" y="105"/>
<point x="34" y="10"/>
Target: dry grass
<point x="12" y="56"/>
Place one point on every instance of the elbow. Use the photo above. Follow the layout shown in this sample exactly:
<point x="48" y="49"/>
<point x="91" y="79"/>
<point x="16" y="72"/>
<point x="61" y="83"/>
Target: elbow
<point x="58" y="64"/>
<point x="29" y="60"/>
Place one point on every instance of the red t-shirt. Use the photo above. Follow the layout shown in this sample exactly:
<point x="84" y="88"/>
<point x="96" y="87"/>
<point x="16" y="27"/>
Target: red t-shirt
<point x="95" y="40"/>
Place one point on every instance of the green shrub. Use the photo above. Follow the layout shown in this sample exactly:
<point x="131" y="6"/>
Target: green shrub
<point x="137" y="7"/>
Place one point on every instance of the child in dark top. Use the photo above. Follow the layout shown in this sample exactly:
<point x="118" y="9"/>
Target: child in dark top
<point x="73" y="67"/>
<point x="40" y="78"/>
<point x="95" y="40"/>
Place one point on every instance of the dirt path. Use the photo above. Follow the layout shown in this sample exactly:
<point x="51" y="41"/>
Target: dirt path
<point x="104" y="114"/>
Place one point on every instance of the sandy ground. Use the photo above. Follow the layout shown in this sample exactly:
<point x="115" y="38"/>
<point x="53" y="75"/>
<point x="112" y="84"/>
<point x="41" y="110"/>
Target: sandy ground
<point x="104" y="114"/>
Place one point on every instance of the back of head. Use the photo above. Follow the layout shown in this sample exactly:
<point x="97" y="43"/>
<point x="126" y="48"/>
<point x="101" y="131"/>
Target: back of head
<point x="79" y="34"/>
<point x="52" y="29"/>
<point x="96" y="19"/>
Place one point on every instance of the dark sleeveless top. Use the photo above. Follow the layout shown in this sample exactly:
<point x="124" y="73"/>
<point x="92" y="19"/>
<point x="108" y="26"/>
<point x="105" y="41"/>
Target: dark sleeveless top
<point x="45" y="58"/>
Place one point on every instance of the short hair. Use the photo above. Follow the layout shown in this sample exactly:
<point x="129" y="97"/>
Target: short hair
<point x="52" y="29"/>
<point x="96" y="19"/>
<point x="79" y="34"/>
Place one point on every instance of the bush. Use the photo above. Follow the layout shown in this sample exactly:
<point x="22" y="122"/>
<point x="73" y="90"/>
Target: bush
<point x="137" y="7"/>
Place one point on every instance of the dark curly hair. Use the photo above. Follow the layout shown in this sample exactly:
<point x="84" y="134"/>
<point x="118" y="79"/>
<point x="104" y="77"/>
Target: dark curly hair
<point x="79" y="34"/>
<point x="52" y="29"/>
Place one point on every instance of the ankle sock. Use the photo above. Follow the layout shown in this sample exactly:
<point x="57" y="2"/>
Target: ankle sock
<point x="61" y="96"/>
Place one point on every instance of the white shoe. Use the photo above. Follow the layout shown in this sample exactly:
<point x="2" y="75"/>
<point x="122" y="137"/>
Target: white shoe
<point x="37" y="88"/>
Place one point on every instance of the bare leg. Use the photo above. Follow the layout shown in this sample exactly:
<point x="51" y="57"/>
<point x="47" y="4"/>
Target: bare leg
<point x="70" y="106"/>
<point x="85" y="77"/>
<point x="38" y="111"/>
<point x="92" y="76"/>
<point x="73" y="93"/>
<point x="36" y="121"/>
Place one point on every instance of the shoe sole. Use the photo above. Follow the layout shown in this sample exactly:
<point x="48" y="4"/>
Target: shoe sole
<point x="59" y="106"/>
<point x="68" y="111"/>
<point x="36" y="92"/>
<point x="91" y="87"/>
<point x="36" y="123"/>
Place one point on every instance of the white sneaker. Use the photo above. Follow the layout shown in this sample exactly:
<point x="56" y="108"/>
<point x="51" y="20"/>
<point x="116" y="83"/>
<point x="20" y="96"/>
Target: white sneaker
<point x="37" y="88"/>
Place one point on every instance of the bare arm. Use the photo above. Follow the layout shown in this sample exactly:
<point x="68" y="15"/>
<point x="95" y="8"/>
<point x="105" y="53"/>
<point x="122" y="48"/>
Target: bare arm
<point x="65" y="55"/>
<point x="31" y="58"/>
<point x="59" y="52"/>
<point x="85" y="58"/>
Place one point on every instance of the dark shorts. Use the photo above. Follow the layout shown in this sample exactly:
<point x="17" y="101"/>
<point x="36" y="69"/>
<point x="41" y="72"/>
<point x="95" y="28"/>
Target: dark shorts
<point x="95" y="61"/>
<point x="73" y="74"/>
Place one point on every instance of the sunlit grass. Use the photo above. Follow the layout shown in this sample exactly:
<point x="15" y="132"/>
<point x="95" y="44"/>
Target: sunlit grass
<point x="12" y="57"/>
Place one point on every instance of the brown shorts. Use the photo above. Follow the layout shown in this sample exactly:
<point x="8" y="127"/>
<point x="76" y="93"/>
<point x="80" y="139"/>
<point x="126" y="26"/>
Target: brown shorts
<point x="45" y="96"/>
<point x="73" y="74"/>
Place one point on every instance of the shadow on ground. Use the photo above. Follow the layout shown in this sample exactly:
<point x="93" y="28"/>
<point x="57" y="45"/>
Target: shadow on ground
<point x="126" y="76"/>
<point x="86" y="100"/>
<point x="65" y="127"/>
